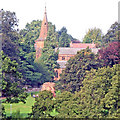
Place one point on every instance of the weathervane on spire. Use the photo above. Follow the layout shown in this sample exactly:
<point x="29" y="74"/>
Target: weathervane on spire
<point x="45" y="7"/>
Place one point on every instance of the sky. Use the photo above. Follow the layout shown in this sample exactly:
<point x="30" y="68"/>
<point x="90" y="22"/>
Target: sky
<point x="78" y="16"/>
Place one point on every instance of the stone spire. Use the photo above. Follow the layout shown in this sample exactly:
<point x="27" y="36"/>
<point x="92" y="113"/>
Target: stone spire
<point x="44" y="27"/>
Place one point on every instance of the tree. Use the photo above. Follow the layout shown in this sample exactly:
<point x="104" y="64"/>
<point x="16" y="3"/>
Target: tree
<point x="11" y="81"/>
<point x="112" y="34"/>
<point x="99" y="95"/>
<point x="10" y="36"/>
<point x="49" y="56"/>
<point x="11" y="77"/>
<point x="93" y="35"/>
<point x="34" y="73"/>
<point x="111" y="54"/>
<point x="75" y="71"/>
<point x="43" y="106"/>
<point x="64" y="38"/>
<point x="98" y="98"/>
<point x="29" y="35"/>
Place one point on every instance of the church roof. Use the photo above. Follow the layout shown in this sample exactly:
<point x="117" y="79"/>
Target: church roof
<point x="69" y="51"/>
<point x="44" y="27"/>
<point x="73" y="51"/>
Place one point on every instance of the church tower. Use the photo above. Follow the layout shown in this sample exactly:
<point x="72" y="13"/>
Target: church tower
<point x="39" y="43"/>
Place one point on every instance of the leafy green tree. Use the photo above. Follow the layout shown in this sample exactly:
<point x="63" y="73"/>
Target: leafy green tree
<point x="10" y="36"/>
<point x="11" y="81"/>
<point x="49" y="56"/>
<point x="93" y="35"/>
<point x="34" y="73"/>
<point x="44" y="105"/>
<point x="29" y="35"/>
<point x="99" y="95"/>
<point x="98" y="98"/>
<point x="75" y="71"/>
<point x="112" y="34"/>
<point x="11" y="77"/>
<point x="64" y="38"/>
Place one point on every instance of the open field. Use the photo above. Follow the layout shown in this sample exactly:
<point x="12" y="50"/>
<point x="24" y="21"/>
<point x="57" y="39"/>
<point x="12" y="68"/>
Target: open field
<point x="24" y="108"/>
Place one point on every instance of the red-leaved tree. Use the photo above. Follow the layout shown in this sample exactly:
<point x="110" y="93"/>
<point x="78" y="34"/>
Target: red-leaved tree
<point x="110" y="54"/>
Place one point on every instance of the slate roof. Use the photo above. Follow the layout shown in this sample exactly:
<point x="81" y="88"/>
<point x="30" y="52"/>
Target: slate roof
<point x="62" y="63"/>
<point x="73" y="51"/>
<point x="69" y="51"/>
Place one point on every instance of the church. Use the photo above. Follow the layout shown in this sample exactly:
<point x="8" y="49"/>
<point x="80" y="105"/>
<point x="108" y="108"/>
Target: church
<point x="65" y="53"/>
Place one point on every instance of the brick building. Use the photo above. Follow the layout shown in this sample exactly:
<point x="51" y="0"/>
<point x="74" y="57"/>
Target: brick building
<point x="65" y="53"/>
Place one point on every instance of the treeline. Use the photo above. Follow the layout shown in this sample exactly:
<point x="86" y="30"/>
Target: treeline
<point x="88" y="87"/>
<point x="89" y="84"/>
<point x="19" y="67"/>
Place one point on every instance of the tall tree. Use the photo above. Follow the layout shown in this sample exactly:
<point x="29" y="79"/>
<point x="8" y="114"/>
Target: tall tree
<point x="99" y="95"/>
<point x="64" y="38"/>
<point x="34" y="73"/>
<point x="49" y="56"/>
<point x="10" y="36"/>
<point x="11" y="81"/>
<point x="93" y="35"/>
<point x="112" y="34"/>
<point x="75" y="71"/>
<point x="111" y="54"/>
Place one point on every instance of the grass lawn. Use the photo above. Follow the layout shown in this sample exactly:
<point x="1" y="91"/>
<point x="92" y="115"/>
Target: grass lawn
<point x="24" y="108"/>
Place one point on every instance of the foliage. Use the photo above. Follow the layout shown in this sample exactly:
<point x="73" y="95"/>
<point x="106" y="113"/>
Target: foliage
<point x="34" y="73"/>
<point x="93" y="35"/>
<point x="2" y="112"/>
<point x="10" y="36"/>
<point x="11" y="81"/>
<point x="111" y="54"/>
<point x="99" y="95"/>
<point x="43" y="106"/>
<point x="98" y="98"/>
<point x="75" y="71"/>
<point x="11" y="77"/>
<point x="64" y="38"/>
<point x="112" y="34"/>
<point x="49" y="56"/>
<point x="29" y="35"/>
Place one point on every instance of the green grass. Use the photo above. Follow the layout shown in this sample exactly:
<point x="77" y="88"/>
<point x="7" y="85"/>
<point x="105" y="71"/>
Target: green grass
<point x="24" y="108"/>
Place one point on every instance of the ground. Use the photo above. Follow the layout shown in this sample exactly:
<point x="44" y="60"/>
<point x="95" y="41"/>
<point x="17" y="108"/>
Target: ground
<point x="24" y="108"/>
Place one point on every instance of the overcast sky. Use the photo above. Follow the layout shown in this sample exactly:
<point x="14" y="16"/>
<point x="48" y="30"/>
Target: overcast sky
<point x="76" y="15"/>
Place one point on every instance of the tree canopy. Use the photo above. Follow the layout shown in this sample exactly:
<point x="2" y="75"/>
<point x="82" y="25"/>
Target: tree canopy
<point x="11" y="77"/>
<point x="110" y="54"/>
<point x="93" y="35"/>
<point x="75" y="71"/>
<point x="64" y="38"/>
<point x="112" y="34"/>
<point x="98" y="98"/>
